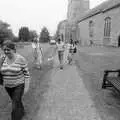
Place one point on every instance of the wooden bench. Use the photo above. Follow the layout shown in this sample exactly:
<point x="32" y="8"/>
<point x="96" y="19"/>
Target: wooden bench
<point x="111" y="81"/>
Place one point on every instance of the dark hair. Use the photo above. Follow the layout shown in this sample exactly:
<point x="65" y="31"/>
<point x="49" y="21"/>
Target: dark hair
<point x="59" y="39"/>
<point x="71" y="41"/>
<point x="10" y="44"/>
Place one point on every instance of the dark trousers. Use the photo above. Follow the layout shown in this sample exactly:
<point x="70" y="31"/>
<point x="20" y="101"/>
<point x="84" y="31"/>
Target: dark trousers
<point x="60" y="56"/>
<point x="16" y="94"/>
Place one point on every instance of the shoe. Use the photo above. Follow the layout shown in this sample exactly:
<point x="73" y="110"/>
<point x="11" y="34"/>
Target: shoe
<point x="61" y="67"/>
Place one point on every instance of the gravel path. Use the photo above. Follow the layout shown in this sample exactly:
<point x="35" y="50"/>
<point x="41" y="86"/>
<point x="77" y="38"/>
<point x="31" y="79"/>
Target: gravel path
<point x="67" y="97"/>
<point x="75" y="93"/>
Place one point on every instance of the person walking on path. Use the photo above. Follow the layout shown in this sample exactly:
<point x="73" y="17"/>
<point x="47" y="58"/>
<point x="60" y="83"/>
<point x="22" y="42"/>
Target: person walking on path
<point x="71" y="52"/>
<point x="60" y="46"/>
<point x="67" y="52"/>
<point x="34" y="50"/>
<point x="16" y="78"/>
<point x="39" y="55"/>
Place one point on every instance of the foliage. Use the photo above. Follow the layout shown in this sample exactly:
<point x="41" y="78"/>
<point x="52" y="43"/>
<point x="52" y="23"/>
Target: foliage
<point x="44" y="35"/>
<point x="24" y="34"/>
<point x="32" y="35"/>
<point x="15" y="39"/>
<point x="5" y="32"/>
<point x="56" y="36"/>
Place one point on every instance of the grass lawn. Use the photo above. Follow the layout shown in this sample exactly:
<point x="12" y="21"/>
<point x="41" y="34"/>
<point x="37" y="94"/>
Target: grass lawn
<point x="91" y="68"/>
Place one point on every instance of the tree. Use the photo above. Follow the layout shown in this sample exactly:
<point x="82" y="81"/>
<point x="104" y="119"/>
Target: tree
<point x="32" y="34"/>
<point x="56" y="35"/>
<point x="24" y="34"/>
<point x="44" y="35"/>
<point x="15" y="39"/>
<point x="5" y="32"/>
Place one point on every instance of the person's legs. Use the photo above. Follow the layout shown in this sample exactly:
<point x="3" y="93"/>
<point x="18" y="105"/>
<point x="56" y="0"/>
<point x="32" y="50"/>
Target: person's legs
<point x="62" y="56"/>
<point x="59" y="56"/>
<point x="61" y="59"/>
<point x="16" y="94"/>
<point x="73" y="57"/>
<point x="69" y="58"/>
<point x="39" y="60"/>
<point x="35" y="55"/>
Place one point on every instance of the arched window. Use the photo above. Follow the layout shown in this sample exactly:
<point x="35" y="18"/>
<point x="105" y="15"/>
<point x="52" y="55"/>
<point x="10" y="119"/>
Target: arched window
<point x="91" y="27"/>
<point x="107" y="27"/>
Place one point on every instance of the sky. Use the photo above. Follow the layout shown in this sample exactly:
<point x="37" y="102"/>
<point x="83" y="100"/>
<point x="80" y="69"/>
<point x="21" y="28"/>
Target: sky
<point x="94" y="3"/>
<point x="35" y="13"/>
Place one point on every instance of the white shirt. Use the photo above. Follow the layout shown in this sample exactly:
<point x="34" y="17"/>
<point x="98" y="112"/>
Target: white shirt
<point x="68" y="46"/>
<point x="60" y="46"/>
<point x="33" y="45"/>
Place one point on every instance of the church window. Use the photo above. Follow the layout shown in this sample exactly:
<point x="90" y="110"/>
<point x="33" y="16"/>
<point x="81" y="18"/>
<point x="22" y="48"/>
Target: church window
<point x="107" y="27"/>
<point x="91" y="27"/>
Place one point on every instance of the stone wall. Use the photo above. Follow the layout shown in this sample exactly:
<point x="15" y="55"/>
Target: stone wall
<point x="98" y="33"/>
<point x="76" y="9"/>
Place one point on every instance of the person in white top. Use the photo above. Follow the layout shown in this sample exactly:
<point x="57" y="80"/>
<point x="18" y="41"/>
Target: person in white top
<point x="60" y="46"/>
<point x="34" y="50"/>
<point x="39" y="55"/>
<point x="33" y="45"/>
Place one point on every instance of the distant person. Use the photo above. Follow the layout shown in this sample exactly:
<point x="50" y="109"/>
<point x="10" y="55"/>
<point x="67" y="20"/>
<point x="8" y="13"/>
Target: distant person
<point x="39" y="55"/>
<point x="91" y="42"/>
<point x="67" y="51"/>
<point x="60" y="46"/>
<point x="34" y="50"/>
<point x="16" y="78"/>
<point x="72" y="51"/>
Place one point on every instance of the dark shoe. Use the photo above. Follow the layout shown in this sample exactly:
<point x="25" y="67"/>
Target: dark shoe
<point x="61" y="67"/>
<point x="69" y="62"/>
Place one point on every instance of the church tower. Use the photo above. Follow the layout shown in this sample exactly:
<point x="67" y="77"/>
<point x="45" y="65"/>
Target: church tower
<point x="76" y="9"/>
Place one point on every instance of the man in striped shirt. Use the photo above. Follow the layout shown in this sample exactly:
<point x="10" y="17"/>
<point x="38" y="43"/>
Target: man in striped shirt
<point x="15" y="72"/>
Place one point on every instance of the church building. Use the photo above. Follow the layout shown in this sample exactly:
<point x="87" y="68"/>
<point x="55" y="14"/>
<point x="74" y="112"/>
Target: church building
<point x="100" y="25"/>
<point x="76" y="8"/>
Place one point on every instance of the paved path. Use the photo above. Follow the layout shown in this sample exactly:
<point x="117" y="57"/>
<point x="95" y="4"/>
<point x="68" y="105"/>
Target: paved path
<point x="67" y="97"/>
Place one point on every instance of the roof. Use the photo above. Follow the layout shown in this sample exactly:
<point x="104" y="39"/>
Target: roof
<point x="105" y="6"/>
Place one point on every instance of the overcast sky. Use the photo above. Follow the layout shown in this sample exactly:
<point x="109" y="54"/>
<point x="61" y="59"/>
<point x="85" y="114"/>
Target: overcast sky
<point x="94" y="3"/>
<point x="35" y="13"/>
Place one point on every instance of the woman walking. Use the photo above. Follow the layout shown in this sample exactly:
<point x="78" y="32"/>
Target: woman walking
<point x="60" y="46"/>
<point x="15" y="74"/>
<point x="39" y="55"/>
<point x="72" y="51"/>
<point x="34" y="51"/>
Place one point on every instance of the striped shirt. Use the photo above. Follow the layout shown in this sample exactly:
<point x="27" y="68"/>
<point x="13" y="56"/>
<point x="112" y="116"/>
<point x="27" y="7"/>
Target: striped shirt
<point x="15" y="73"/>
